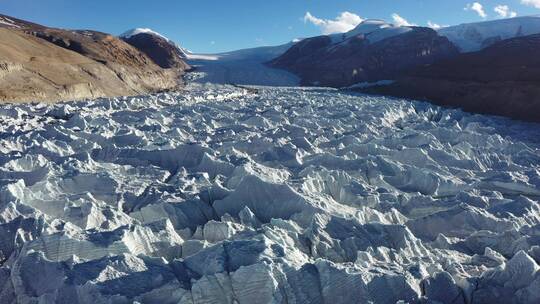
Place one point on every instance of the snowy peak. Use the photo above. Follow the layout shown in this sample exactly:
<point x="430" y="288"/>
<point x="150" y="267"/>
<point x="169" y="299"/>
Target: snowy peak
<point x="472" y="37"/>
<point x="347" y="59"/>
<point x="374" y="30"/>
<point x="137" y="31"/>
<point x="370" y="25"/>
<point x="162" y="50"/>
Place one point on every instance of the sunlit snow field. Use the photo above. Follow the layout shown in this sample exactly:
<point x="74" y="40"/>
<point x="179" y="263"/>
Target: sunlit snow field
<point x="221" y="194"/>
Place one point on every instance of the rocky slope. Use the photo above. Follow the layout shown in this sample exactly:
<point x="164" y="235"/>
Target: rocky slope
<point x="225" y="195"/>
<point x="502" y="79"/>
<point x="373" y="51"/>
<point x="47" y="64"/>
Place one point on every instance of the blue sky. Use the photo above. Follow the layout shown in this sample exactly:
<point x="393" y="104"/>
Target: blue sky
<point x="221" y="25"/>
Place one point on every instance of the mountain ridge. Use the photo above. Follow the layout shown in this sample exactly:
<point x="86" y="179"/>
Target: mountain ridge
<point x="382" y="52"/>
<point x="87" y="64"/>
<point x="501" y="79"/>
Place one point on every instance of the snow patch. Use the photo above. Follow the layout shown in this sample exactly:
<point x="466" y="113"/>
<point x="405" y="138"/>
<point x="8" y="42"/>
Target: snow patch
<point x="8" y="22"/>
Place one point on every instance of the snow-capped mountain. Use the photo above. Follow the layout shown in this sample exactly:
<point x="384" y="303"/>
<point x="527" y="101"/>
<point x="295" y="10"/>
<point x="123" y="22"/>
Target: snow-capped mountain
<point x="162" y="50"/>
<point x="377" y="50"/>
<point x="137" y="31"/>
<point x="475" y="36"/>
<point x="373" y="51"/>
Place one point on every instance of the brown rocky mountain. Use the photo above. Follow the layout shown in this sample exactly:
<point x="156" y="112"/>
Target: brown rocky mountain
<point x="503" y="79"/>
<point x="39" y="63"/>
<point x="162" y="51"/>
<point x="365" y="54"/>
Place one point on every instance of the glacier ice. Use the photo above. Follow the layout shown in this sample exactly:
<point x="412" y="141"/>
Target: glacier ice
<point x="222" y="194"/>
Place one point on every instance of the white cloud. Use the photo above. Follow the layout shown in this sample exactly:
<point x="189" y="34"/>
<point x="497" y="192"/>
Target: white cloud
<point x="504" y="11"/>
<point x="476" y="7"/>
<point x="400" y="21"/>
<point x="345" y="22"/>
<point x="433" y="25"/>
<point x="535" y="3"/>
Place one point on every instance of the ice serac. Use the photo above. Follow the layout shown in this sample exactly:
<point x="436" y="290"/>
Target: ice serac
<point x="221" y="194"/>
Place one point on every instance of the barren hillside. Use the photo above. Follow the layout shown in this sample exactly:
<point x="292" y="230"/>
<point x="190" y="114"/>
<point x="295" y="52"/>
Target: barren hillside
<point x="45" y="64"/>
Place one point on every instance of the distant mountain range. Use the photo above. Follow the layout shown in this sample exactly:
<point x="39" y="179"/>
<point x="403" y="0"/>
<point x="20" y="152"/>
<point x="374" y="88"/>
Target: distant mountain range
<point x="373" y="51"/>
<point x="38" y="63"/>
<point x="487" y="67"/>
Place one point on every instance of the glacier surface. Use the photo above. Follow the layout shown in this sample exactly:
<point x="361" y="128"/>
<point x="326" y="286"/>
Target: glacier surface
<point x="221" y="194"/>
<point x="242" y="67"/>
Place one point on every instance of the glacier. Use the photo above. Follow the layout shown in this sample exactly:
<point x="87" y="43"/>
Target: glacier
<point x="472" y="37"/>
<point x="227" y="194"/>
<point x="241" y="67"/>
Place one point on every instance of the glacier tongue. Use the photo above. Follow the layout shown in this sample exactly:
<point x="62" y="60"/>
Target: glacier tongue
<point x="221" y="194"/>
